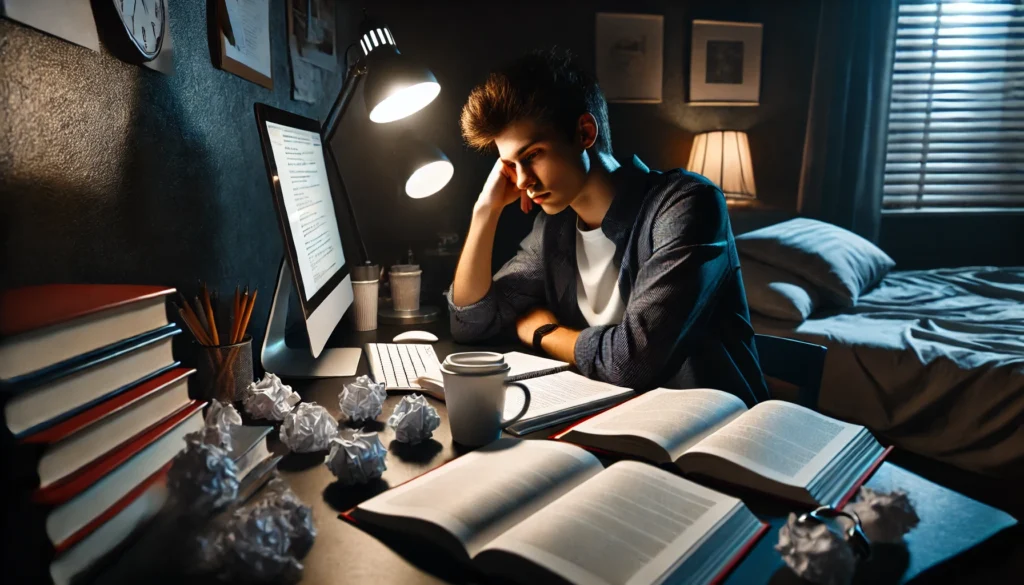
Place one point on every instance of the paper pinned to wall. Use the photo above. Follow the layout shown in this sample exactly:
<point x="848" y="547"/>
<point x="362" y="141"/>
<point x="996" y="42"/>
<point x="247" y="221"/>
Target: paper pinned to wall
<point x="311" y="48"/>
<point x="70" y="20"/>
<point x="250" y="27"/>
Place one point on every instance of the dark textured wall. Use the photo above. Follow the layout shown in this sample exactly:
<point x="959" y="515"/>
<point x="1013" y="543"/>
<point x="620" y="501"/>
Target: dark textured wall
<point x="111" y="172"/>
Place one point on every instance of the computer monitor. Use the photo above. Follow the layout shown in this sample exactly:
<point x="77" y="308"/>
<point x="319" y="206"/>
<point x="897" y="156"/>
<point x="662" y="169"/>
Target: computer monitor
<point x="314" y="268"/>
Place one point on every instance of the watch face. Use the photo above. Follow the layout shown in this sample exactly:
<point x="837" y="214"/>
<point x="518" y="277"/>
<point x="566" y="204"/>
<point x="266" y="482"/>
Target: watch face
<point x="144" y="20"/>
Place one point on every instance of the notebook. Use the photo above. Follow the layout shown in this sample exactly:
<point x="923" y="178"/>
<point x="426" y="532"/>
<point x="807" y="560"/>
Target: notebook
<point x="557" y="398"/>
<point x="775" y="447"/>
<point x="542" y="511"/>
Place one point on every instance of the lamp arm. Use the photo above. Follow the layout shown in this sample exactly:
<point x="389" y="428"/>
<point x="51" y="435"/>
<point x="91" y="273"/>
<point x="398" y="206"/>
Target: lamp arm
<point x="357" y="70"/>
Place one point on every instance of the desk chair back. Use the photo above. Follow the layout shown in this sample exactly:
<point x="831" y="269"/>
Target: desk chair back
<point x="795" y="362"/>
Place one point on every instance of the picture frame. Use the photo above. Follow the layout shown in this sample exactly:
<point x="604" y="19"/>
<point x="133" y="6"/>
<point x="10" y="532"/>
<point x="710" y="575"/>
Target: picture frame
<point x="247" y="53"/>
<point x="725" y="63"/>
<point x="630" y="56"/>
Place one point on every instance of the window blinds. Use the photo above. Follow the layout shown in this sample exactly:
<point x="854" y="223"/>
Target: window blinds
<point x="956" y="118"/>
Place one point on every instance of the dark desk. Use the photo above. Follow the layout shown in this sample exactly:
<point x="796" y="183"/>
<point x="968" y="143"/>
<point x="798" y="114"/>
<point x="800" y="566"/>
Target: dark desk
<point x="951" y="524"/>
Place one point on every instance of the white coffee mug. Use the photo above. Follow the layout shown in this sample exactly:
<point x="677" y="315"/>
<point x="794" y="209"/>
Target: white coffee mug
<point x="474" y="391"/>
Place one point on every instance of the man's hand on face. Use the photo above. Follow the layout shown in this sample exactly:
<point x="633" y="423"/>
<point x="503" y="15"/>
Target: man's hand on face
<point x="529" y="322"/>
<point x="500" y="190"/>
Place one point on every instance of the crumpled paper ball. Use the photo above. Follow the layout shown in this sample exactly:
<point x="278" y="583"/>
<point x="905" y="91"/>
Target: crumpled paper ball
<point x="215" y="435"/>
<point x="270" y="398"/>
<point x="884" y="516"/>
<point x="223" y="415"/>
<point x="261" y="542"/>
<point x="816" y="554"/>
<point x="414" y="420"/>
<point x="202" y="478"/>
<point x="269" y="380"/>
<point x="308" y="428"/>
<point x="257" y="549"/>
<point x="356" y="459"/>
<point x="362" y="400"/>
<point x="301" y="530"/>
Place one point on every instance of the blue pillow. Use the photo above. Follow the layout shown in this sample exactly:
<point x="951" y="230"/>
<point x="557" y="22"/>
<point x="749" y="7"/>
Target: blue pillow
<point x="776" y="293"/>
<point x="839" y="263"/>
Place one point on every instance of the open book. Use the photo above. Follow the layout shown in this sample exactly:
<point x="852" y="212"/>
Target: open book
<point x="775" y="447"/>
<point x="531" y="511"/>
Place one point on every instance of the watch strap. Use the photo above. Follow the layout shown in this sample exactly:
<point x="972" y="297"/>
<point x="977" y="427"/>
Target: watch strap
<point x="541" y="332"/>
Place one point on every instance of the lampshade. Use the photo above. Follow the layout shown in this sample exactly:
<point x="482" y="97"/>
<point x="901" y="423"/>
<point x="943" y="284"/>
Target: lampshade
<point x="724" y="158"/>
<point x="427" y="168"/>
<point x="395" y="87"/>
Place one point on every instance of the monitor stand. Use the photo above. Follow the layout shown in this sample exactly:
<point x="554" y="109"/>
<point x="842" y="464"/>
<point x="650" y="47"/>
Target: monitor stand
<point x="292" y="362"/>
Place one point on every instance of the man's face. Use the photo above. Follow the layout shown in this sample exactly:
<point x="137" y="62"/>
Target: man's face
<point x="543" y="162"/>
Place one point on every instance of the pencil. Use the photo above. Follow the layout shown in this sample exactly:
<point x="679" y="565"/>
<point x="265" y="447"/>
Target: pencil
<point x="197" y="331"/>
<point x="248" y="314"/>
<point x="197" y="311"/>
<point x="209" y="315"/>
<point x="235" y="316"/>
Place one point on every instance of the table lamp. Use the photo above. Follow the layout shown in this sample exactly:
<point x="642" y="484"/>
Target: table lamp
<point x="723" y="156"/>
<point x="395" y="87"/>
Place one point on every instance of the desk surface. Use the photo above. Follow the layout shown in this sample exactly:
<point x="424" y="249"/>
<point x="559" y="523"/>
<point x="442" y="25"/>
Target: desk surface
<point x="950" y="523"/>
<point x="985" y="541"/>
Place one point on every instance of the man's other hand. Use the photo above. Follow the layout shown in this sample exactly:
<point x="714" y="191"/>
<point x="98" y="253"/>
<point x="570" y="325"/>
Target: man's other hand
<point x="500" y="190"/>
<point x="530" y="321"/>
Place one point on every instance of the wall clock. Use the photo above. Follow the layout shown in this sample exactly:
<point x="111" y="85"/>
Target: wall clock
<point x="133" y="30"/>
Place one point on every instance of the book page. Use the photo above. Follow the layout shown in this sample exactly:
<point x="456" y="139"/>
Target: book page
<point x="484" y="493"/>
<point x="561" y="391"/>
<point x="673" y="419"/>
<point x="631" y="523"/>
<point x="780" y="440"/>
<point x="523" y="365"/>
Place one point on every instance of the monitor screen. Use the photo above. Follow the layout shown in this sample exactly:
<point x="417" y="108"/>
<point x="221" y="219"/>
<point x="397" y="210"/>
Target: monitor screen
<point x="308" y="206"/>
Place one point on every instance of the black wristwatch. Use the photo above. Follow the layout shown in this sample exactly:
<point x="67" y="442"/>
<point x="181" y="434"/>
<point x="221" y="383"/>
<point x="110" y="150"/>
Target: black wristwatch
<point x="541" y="332"/>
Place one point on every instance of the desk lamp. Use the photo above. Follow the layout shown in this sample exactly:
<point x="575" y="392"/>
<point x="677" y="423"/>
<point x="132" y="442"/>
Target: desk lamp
<point x="394" y="88"/>
<point x="724" y="158"/>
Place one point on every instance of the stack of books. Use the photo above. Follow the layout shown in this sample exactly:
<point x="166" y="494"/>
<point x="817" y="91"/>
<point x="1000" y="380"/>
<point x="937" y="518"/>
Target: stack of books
<point x="95" y="407"/>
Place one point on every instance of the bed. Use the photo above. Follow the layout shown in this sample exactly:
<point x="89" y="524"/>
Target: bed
<point x="932" y="360"/>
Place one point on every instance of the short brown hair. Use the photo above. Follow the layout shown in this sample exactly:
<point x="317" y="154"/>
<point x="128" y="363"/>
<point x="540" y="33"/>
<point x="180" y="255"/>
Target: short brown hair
<point x="544" y="86"/>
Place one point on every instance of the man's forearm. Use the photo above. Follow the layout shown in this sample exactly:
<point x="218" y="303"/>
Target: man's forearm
<point x="561" y="344"/>
<point x="473" y="273"/>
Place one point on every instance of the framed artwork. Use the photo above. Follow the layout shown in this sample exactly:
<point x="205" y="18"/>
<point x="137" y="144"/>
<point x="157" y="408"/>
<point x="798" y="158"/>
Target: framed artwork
<point x="725" y="63"/>
<point x="629" y="56"/>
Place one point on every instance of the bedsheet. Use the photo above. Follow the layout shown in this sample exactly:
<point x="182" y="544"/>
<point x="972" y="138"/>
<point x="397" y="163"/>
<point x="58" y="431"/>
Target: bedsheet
<point x="932" y="360"/>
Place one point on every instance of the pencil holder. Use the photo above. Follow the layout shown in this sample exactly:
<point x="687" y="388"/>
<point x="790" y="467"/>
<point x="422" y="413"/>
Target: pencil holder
<point x="224" y="371"/>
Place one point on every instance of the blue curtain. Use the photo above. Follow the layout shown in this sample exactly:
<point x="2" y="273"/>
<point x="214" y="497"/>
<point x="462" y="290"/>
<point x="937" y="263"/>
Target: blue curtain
<point x="844" y="148"/>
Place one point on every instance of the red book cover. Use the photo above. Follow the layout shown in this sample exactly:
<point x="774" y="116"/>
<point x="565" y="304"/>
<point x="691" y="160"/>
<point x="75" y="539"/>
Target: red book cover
<point x="34" y="307"/>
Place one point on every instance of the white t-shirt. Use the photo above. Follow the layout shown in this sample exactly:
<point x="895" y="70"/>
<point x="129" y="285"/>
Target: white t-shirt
<point x="597" y="278"/>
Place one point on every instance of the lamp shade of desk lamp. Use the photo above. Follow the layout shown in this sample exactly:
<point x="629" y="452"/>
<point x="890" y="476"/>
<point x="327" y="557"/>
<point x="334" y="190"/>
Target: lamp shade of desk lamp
<point x="428" y="169"/>
<point x="395" y="86"/>
<point x="724" y="158"/>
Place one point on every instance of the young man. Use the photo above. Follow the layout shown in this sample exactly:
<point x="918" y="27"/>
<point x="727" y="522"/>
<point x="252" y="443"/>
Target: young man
<point x="630" y="274"/>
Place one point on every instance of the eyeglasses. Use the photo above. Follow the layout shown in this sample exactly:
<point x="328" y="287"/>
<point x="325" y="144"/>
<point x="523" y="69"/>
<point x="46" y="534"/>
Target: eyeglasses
<point x="853" y="535"/>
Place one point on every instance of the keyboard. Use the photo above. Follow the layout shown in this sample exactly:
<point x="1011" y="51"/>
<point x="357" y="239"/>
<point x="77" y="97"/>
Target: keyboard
<point x="399" y="364"/>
